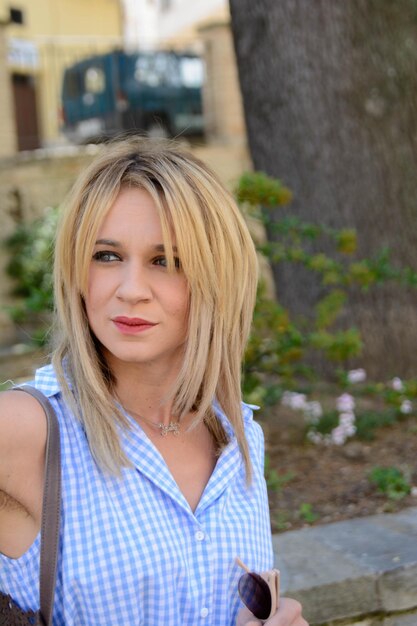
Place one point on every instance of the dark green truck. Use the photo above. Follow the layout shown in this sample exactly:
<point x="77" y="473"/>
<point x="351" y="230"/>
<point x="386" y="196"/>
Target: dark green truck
<point x="159" y="93"/>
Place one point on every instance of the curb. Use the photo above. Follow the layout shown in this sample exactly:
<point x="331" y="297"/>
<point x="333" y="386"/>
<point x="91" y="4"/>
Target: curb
<point x="351" y="569"/>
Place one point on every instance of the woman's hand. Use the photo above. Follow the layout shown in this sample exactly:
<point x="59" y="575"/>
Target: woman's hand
<point x="288" y="614"/>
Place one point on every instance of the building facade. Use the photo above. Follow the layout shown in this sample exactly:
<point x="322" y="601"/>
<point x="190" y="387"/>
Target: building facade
<point x="37" y="41"/>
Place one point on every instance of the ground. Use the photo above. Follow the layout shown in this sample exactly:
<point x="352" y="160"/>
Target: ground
<point x="319" y="484"/>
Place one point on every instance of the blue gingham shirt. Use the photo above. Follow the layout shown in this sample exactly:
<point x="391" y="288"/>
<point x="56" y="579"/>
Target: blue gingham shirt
<point x="132" y="552"/>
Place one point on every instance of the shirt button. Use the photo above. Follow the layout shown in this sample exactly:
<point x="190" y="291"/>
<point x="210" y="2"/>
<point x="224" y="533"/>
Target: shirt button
<point x="204" y="612"/>
<point x="199" y="535"/>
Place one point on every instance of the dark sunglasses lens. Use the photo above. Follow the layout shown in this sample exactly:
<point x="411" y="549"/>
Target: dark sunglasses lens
<point x="255" y="594"/>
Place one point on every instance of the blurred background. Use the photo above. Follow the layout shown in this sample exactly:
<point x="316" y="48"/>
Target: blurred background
<point x="308" y="113"/>
<point x="61" y="77"/>
<point x="321" y="97"/>
<point x="73" y="73"/>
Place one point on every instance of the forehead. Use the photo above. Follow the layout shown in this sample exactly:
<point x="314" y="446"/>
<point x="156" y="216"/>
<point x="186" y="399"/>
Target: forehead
<point x="133" y="212"/>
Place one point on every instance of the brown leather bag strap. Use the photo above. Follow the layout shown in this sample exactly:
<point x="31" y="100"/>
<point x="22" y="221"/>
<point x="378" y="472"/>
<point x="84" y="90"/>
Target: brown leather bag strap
<point x="51" y="508"/>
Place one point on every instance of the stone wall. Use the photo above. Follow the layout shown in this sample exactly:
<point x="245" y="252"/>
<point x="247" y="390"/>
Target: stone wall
<point x="29" y="182"/>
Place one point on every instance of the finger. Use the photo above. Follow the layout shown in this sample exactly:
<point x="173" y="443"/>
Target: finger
<point x="289" y="613"/>
<point x="246" y="618"/>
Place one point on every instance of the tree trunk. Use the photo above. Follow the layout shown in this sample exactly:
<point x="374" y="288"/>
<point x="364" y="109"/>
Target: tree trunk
<point x="330" y="94"/>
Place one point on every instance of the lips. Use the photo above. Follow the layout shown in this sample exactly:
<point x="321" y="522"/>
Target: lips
<point x="130" y="325"/>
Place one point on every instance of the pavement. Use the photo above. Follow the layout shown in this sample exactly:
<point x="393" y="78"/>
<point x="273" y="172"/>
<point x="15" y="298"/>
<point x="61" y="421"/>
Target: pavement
<point x="360" y="572"/>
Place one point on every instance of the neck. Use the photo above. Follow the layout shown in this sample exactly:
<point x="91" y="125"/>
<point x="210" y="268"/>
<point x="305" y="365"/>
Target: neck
<point x="147" y="409"/>
<point x="160" y="372"/>
<point x="173" y="426"/>
<point x="145" y="391"/>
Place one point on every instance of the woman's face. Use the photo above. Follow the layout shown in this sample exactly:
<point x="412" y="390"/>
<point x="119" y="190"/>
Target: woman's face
<point x="136" y="308"/>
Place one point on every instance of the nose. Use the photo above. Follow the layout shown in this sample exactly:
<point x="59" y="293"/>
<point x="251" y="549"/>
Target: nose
<point x="134" y="285"/>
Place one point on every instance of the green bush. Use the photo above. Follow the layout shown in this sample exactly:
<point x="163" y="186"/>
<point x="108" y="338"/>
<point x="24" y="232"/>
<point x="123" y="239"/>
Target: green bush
<point x="280" y="346"/>
<point x="307" y="514"/>
<point x="30" y="250"/>
<point x="391" y="482"/>
<point x="275" y="482"/>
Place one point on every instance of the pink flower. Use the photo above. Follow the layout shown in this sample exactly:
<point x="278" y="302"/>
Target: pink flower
<point x="346" y="419"/>
<point x="314" y="437"/>
<point x="406" y="407"/>
<point x="350" y="430"/>
<point x="356" y="376"/>
<point x="397" y="384"/>
<point x="345" y="403"/>
<point x="338" y="436"/>
<point x="296" y="401"/>
<point x="313" y="410"/>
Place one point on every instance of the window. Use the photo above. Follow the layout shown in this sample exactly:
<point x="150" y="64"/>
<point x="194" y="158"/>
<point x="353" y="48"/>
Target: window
<point x="16" y="16"/>
<point x="94" y="80"/>
<point x="71" y="84"/>
<point x="158" y="69"/>
<point x="192" y="71"/>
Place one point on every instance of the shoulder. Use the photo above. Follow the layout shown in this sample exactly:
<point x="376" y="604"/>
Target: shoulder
<point x="22" y="433"/>
<point x="21" y="415"/>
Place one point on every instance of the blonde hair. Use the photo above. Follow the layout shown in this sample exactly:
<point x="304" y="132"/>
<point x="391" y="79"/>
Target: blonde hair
<point x="219" y="262"/>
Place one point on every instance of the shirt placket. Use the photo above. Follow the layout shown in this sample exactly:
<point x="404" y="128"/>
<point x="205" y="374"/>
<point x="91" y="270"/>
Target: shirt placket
<point x="226" y="468"/>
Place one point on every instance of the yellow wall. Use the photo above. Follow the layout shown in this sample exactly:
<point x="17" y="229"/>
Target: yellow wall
<point x="67" y="17"/>
<point x="190" y="37"/>
<point x="62" y="31"/>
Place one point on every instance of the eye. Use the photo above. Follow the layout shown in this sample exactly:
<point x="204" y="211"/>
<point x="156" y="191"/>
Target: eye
<point x="105" y="256"/>
<point x="163" y="262"/>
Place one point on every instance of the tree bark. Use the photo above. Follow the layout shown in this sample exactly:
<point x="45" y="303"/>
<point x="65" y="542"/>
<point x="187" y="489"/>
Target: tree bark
<point x="330" y="98"/>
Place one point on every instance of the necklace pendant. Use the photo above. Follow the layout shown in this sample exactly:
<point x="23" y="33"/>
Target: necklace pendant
<point x="173" y="427"/>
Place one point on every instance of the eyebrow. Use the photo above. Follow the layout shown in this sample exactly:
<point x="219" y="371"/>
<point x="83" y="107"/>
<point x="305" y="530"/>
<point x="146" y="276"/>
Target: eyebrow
<point x="108" y="242"/>
<point x="159" y="247"/>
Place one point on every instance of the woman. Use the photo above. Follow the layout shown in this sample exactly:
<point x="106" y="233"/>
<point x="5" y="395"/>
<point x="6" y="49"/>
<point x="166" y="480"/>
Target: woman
<point x="162" y="469"/>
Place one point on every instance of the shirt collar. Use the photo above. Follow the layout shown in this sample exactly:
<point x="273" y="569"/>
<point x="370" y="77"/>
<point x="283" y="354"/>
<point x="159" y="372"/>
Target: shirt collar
<point x="247" y="416"/>
<point x="46" y="380"/>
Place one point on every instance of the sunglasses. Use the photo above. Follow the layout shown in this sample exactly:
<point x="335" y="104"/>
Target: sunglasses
<point x="259" y="592"/>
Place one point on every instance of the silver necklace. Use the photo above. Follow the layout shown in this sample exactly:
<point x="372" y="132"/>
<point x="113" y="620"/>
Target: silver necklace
<point x="172" y="427"/>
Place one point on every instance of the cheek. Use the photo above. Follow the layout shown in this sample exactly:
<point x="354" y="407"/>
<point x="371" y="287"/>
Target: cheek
<point x="89" y="299"/>
<point x="94" y="298"/>
<point x="89" y="296"/>
<point x="98" y="286"/>
<point x="90" y="308"/>
<point x="180" y="304"/>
